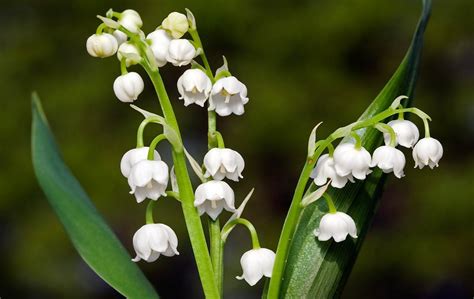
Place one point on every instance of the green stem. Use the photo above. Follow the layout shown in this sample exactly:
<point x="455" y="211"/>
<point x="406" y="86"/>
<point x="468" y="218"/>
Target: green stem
<point x="100" y="28"/>
<point x="192" y="219"/>
<point x="330" y="149"/>
<point x="358" y="141"/>
<point x="123" y="66"/>
<point x="331" y="206"/>
<point x="217" y="251"/>
<point x="427" y="127"/>
<point x="253" y="232"/>
<point x="153" y="145"/>
<point x="149" y="212"/>
<point x="214" y="139"/>
<point x="383" y="127"/>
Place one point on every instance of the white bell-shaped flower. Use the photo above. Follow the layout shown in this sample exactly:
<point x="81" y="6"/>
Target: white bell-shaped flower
<point x="389" y="159"/>
<point x="153" y="240"/>
<point x="349" y="160"/>
<point x="131" y="20"/>
<point x="130" y="52"/>
<point x="180" y="52"/>
<point x="160" y="41"/>
<point x="325" y="170"/>
<point x="176" y="24"/>
<point x="228" y="96"/>
<point x="194" y="86"/>
<point x="134" y="156"/>
<point x="212" y="197"/>
<point x="406" y="131"/>
<point x="148" y="179"/>
<point x="427" y="152"/>
<point x="101" y="45"/>
<point x="120" y="36"/>
<point x="337" y="226"/>
<point x="224" y="162"/>
<point x="256" y="263"/>
<point x="128" y="87"/>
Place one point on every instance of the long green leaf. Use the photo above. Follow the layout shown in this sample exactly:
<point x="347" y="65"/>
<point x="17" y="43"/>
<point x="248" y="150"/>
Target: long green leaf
<point x="91" y="236"/>
<point x="320" y="269"/>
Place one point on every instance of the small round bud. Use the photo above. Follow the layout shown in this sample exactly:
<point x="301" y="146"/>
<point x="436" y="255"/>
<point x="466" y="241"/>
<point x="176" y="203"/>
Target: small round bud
<point x="131" y="20"/>
<point x="176" y="24"/>
<point x="130" y="53"/>
<point x="101" y="45"/>
<point x="128" y="87"/>
<point x="120" y="36"/>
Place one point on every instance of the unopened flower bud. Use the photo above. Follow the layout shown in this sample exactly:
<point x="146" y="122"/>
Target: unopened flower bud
<point x="120" y="36"/>
<point x="128" y="87"/>
<point x="131" y="20"/>
<point x="128" y="52"/>
<point x="101" y="45"/>
<point x="176" y="24"/>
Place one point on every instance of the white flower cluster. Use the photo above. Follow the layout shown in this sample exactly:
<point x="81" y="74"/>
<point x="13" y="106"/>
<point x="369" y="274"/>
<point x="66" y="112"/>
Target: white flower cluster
<point x="227" y="95"/>
<point x="349" y="162"/>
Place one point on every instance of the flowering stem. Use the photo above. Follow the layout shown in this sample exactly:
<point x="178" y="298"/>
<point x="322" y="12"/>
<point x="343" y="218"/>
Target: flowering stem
<point x="217" y="253"/>
<point x="214" y="140"/>
<point x="186" y="194"/>
<point x="332" y="207"/>
<point x="153" y="145"/>
<point x="149" y="212"/>
<point x="427" y="127"/>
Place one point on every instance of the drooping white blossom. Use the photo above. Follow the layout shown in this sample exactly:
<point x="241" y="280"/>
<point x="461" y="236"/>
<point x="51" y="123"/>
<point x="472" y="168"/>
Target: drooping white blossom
<point x="176" y="24"/>
<point x="228" y="96"/>
<point x="337" y="226"/>
<point x="148" y="179"/>
<point x="194" y="86"/>
<point x="160" y="41"/>
<point x="129" y="52"/>
<point x="212" y="197"/>
<point x="101" y="45"/>
<point x="427" y="152"/>
<point x="389" y="159"/>
<point x="256" y="263"/>
<point x="134" y="156"/>
<point x="224" y="162"/>
<point x="153" y="240"/>
<point x="407" y="133"/>
<point x="350" y="160"/>
<point x="180" y="52"/>
<point x="128" y="87"/>
<point x="325" y="171"/>
<point x="131" y="20"/>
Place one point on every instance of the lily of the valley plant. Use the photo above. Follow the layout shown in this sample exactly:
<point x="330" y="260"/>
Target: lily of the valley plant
<point x="332" y="163"/>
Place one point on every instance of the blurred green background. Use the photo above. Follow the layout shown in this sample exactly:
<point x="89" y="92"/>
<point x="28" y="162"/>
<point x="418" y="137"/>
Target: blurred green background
<point x="303" y="62"/>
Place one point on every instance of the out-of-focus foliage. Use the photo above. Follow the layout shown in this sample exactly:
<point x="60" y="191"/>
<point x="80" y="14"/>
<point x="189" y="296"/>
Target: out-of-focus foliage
<point x="303" y="62"/>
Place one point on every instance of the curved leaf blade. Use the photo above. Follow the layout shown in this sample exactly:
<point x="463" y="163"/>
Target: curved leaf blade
<point x="89" y="233"/>
<point x="320" y="269"/>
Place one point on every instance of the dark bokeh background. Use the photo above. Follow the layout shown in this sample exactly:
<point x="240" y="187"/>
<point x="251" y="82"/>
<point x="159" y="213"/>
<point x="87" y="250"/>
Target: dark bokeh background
<point x="303" y="62"/>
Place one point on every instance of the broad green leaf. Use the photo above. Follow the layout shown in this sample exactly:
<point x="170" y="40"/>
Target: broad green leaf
<point x="320" y="269"/>
<point x="89" y="233"/>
